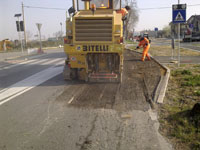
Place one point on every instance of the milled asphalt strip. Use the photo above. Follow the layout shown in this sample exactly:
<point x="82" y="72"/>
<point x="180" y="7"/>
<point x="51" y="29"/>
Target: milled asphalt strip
<point x="29" y="83"/>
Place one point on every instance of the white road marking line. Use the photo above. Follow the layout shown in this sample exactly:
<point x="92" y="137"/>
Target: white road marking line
<point x="29" y="83"/>
<point x="31" y="62"/>
<point x="70" y="101"/>
<point x="43" y="62"/>
<point x="53" y="61"/>
<point x="8" y="99"/>
<point x="35" y="61"/>
<point x="32" y="59"/>
<point x="18" y="64"/>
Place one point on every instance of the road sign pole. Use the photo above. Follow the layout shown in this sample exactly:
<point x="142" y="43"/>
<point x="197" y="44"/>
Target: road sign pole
<point x="40" y="40"/>
<point x="172" y="46"/>
<point x="178" y="17"/>
<point x="179" y="53"/>
<point x="179" y="33"/>
<point x="25" y="39"/>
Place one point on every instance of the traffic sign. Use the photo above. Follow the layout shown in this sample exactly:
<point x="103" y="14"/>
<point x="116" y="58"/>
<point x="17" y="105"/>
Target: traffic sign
<point x="20" y="26"/>
<point x="39" y="25"/>
<point x="179" y="13"/>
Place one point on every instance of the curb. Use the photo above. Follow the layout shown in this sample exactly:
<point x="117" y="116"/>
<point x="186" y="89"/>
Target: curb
<point x="49" y="48"/>
<point x="162" y="85"/>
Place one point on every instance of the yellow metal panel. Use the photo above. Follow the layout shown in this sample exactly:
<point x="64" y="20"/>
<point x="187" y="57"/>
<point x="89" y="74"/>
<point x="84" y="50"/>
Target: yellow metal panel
<point x="113" y="29"/>
<point x="77" y="61"/>
<point x="79" y="49"/>
<point x="118" y="18"/>
<point x="73" y="22"/>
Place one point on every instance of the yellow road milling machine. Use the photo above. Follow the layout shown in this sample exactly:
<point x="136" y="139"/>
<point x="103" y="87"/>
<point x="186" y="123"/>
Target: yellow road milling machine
<point x="5" y="45"/>
<point x="94" y="41"/>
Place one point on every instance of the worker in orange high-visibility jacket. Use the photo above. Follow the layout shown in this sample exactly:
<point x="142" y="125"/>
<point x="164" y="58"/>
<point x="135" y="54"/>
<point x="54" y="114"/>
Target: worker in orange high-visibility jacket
<point x="144" y="42"/>
<point x="124" y="12"/>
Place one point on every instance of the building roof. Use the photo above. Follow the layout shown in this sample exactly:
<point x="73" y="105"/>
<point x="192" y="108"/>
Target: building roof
<point x="194" y="16"/>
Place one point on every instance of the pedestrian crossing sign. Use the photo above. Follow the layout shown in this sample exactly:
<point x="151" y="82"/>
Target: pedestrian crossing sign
<point x="179" y="13"/>
<point x="179" y="17"/>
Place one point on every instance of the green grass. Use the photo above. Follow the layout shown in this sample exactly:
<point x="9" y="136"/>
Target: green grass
<point x="188" y="79"/>
<point x="183" y="127"/>
<point x="130" y="42"/>
<point x="191" y="81"/>
<point x="197" y="66"/>
<point x="175" y="118"/>
<point x="197" y="93"/>
<point x="181" y="72"/>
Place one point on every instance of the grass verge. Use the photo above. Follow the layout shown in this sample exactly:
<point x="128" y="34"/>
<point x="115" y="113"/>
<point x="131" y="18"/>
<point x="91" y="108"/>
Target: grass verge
<point x="167" y="51"/>
<point x="175" y="118"/>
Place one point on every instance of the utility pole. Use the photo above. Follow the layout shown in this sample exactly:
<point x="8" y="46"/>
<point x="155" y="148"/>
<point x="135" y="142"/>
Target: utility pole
<point x="179" y="32"/>
<point x="25" y="40"/>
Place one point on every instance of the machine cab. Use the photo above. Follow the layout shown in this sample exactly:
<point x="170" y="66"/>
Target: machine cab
<point x="97" y="4"/>
<point x="93" y="42"/>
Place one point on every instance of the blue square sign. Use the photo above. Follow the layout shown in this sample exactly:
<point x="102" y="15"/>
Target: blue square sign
<point x="179" y="13"/>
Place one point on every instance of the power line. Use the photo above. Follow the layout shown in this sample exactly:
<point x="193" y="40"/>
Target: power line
<point x="138" y="8"/>
<point x="45" y="8"/>
<point x="165" y="7"/>
<point x="154" y="8"/>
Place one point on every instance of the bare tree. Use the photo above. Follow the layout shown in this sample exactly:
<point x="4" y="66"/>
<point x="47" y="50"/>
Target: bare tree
<point x="28" y="35"/>
<point x="58" y="34"/>
<point x="166" y="31"/>
<point x="132" y="17"/>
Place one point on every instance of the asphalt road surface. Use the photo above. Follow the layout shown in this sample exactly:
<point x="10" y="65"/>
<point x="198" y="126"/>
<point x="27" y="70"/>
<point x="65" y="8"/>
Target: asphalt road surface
<point x="41" y="111"/>
<point x="193" y="46"/>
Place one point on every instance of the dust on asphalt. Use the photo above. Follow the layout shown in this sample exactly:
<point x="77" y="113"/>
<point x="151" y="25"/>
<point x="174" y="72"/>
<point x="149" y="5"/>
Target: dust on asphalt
<point x="113" y="116"/>
<point x="129" y="95"/>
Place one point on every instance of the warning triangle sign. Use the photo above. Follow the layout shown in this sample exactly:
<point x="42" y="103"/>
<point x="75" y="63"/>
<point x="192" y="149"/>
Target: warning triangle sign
<point x="179" y="17"/>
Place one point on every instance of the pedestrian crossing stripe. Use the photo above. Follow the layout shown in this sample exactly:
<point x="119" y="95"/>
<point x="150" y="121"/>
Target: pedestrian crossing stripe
<point x="179" y="17"/>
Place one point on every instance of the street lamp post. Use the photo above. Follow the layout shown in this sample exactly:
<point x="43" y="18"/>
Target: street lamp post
<point x="61" y="32"/>
<point x="20" y="39"/>
<point x="39" y="25"/>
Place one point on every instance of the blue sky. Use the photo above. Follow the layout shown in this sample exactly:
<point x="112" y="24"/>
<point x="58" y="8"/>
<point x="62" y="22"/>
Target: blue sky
<point x="50" y="19"/>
